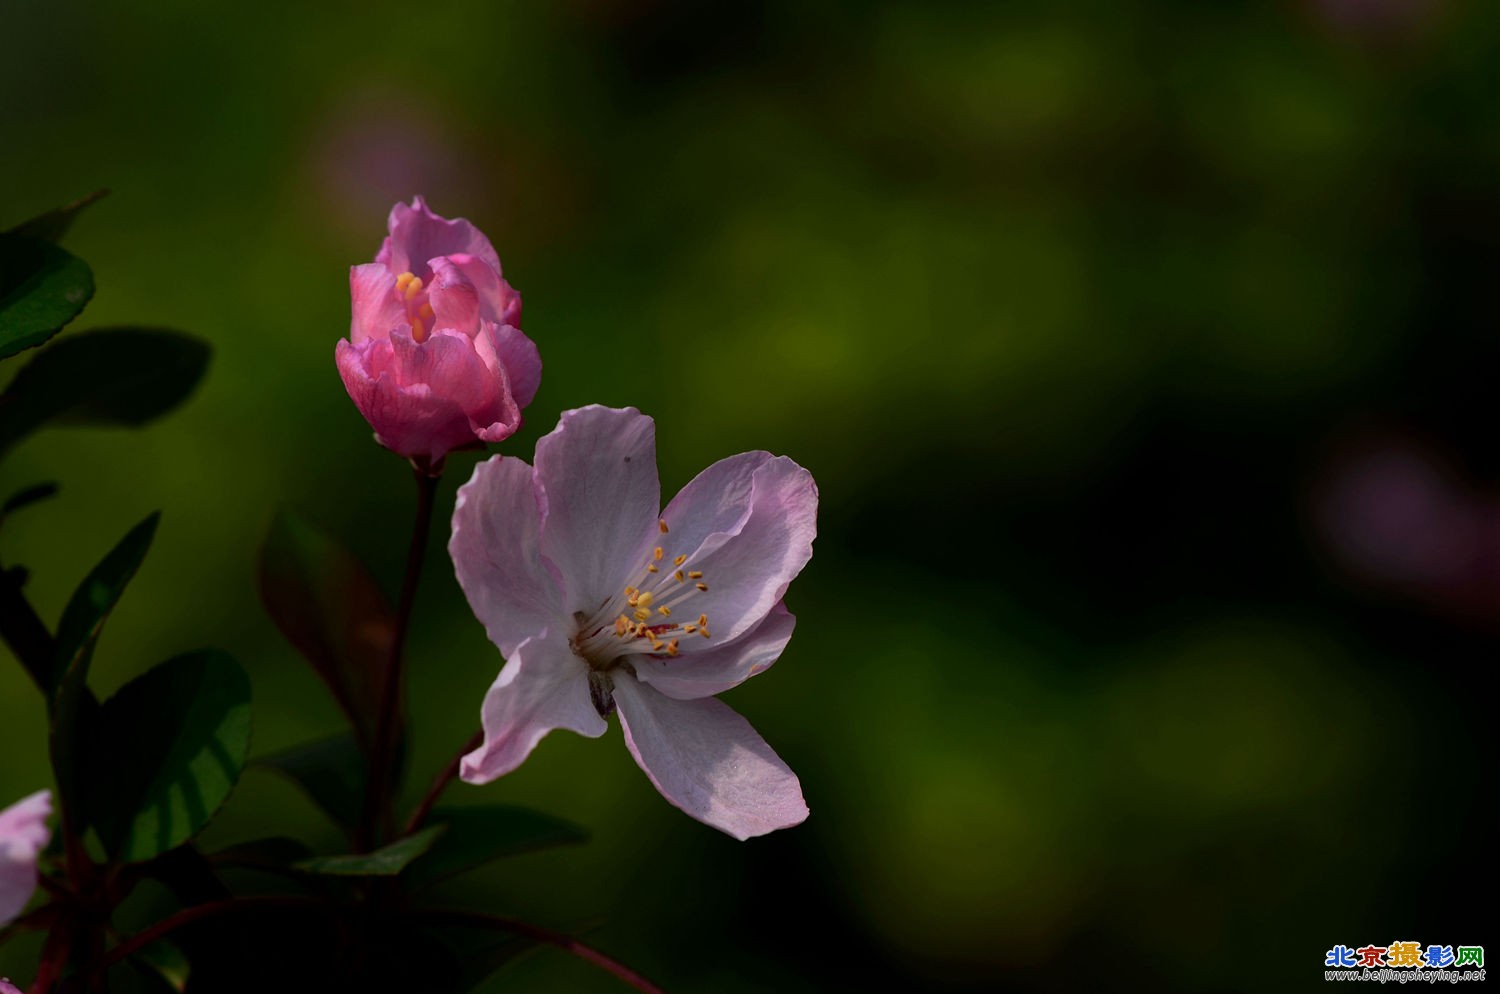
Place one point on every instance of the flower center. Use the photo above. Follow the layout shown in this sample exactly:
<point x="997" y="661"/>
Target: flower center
<point x="650" y="616"/>
<point x="418" y="311"/>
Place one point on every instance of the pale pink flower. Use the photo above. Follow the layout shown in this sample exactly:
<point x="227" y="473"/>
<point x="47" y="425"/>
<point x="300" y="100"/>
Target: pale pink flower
<point x="23" y="834"/>
<point x="6" y="987"/>
<point x="600" y="599"/>
<point x="435" y="358"/>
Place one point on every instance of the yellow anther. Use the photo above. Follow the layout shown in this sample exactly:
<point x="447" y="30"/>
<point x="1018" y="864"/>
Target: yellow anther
<point x="696" y="574"/>
<point x="633" y="599"/>
<point x="622" y="625"/>
<point x="641" y="614"/>
<point x="702" y="586"/>
<point x="658" y="553"/>
<point x="640" y="631"/>
<point x="657" y="645"/>
<point x="663" y="526"/>
<point x="679" y="560"/>
<point x="403" y="280"/>
<point x="413" y="288"/>
<point x="690" y="629"/>
<point x="702" y="620"/>
<point x="703" y="632"/>
<point x="426" y="312"/>
<point x="678" y="574"/>
<point x="664" y="611"/>
<point x="672" y="648"/>
<point x="418" y="330"/>
<point x="651" y="568"/>
<point x="644" y="598"/>
<point x="630" y="591"/>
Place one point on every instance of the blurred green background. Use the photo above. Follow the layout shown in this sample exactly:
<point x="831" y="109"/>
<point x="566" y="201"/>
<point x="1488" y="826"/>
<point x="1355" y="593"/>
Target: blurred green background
<point x="1143" y="352"/>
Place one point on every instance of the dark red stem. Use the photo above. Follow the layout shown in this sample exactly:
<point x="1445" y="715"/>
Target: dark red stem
<point x="440" y="783"/>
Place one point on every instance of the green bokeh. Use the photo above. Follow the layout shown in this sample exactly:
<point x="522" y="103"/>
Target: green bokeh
<point x="1064" y="306"/>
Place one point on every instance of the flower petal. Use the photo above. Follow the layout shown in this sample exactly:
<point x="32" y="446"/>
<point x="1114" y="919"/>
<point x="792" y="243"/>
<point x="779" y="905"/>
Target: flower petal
<point x="23" y="834"/>
<point x="708" y="761"/>
<point x="497" y="556"/>
<point x="425" y="399"/>
<point x="417" y="235"/>
<point x="715" y="502"/>
<point x="376" y="308"/>
<point x="596" y="477"/>
<point x="748" y="566"/>
<point x="717" y="667"/>
<point x="522" y="362"/>
<point x="542" y="687"/>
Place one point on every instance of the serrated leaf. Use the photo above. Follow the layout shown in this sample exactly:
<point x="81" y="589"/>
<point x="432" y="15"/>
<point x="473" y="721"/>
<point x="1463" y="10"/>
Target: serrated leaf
<point x="169" y="749"/>
<point x="479" y="835"/>
<point x="387" y="861"/>
<point x="78" y="631"/>
<point x="327" y="605"/>
<point x="330" y="771"/>
<point x="52" y="225"/>
<point x="42" y="288"/>
<point x="110" y="376"/>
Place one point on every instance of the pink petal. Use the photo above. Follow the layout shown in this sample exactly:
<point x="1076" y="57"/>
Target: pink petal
<point x="543" y="686"/>
<point x="23" y="834"/>
<point x="498" y="300"/>
<point x="6" y="987"/>
<point x="708" y="761"/>
<point x="748" y="565"/>
<point x="425" y="399"/>
<point x="718" y="667"/>
<point x="522" y="362"/>
<point x="497" y="556"/>
<point x="454" y="298"/>
<point x="715" y="502"/>
<point x="417" y="235"/>
<point x="596" y="477"/>
<point x="377" y="311"/>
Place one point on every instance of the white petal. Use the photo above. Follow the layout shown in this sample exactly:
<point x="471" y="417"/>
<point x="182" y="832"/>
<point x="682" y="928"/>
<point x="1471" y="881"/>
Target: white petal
<point x="543" y="686"/>
<point x="708" y="761"/>
<point x="599" y="494"/>
<point x="716" y="669"/>
<point x="497" y="555"/>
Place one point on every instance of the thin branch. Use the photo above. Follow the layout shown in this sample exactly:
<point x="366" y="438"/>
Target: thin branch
<point x="201" y="912"/>
<point x="563" y="941"/>
<point x="440" y="783"/>
<point x="383" y="760"/>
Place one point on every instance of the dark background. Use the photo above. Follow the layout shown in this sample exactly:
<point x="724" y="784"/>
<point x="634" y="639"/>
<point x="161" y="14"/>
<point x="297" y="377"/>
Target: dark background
<point x="1143" y="352"/>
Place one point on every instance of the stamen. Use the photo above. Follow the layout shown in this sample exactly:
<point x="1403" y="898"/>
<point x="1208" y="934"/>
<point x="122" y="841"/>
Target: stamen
<point x="679" y="560"/>
<point x="418" y="330"/>
<point x="651" y="568"/>
<point x="425" y="312"/>
<point x="702" y="586"/>
<point x="641" y="614"/>
<point x="672" y="648"/>
<point x="644" y="598"/>
<point x="696" y="574"/>
<point x="403" y="281"/>
<point x="664" y="611"/>
<point x="702" y="620"/>
<point x="690" y="629"/>
<point x="703" y="632"/>
<point x="663" y="526"/>
<point x="413" y="288"/>
<point x="657" y="553"/>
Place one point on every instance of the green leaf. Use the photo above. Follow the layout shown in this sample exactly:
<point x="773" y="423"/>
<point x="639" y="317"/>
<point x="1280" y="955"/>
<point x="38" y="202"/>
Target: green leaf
<point x="165" y="963"/>
<point x="384" y="862"/>
<point x="78" y="631"/>
<point x="478" y="835"/>
<point x="113" y="376"/>
<point x="277" y="852"/>
<point x="26" y="497"/>
<point x="327" y="605"/>
<point x="42" y="288"/>
<point x="331" y="772"/>
<point x="52" y="225"/>
<point x="169" y="749"/>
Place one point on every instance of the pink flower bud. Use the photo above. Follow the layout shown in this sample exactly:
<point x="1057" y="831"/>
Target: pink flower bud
<point x="435" y="358"/>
